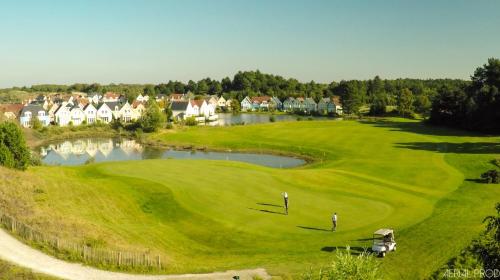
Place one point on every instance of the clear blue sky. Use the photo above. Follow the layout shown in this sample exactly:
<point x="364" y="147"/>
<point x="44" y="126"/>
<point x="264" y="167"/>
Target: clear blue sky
<point x="148" y="41"/>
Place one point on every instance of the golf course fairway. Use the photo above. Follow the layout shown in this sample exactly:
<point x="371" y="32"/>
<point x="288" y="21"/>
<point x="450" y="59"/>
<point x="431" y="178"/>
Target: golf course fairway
<point x="205" y="215"/>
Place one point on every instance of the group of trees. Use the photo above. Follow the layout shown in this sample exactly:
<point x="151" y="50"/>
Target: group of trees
<point x="467" y="104"/>
<point x="377" y="94"/>
<point x="474" y="106"/>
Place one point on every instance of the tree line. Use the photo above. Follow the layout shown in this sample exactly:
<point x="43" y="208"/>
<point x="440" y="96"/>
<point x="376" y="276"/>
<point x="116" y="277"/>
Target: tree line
<point x="375" y="93"/>
<point x="466" y="104"/>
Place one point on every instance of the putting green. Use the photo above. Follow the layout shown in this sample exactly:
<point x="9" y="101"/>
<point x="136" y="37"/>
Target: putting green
<point x="212" y="215"/>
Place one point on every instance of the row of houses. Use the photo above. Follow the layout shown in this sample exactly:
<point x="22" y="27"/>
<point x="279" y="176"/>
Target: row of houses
<point x="325" y="105"/>
<point x="75" y="110"/>
<point x="200" y="109"/>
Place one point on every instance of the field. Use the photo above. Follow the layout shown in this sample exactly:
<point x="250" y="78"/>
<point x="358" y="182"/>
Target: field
<point x="213" y="215"/>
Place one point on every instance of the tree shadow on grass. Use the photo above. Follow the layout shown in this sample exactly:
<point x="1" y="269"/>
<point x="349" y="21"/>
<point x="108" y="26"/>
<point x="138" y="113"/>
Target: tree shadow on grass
<point x="267" y="211"/>
<point x="269" y="204"/>
<point x="314" y="228"/>
<point x="353" y="250"/>
<point x="420" y="128"/>
<point x="458" y="148"/>
<point x="478" y="181"/>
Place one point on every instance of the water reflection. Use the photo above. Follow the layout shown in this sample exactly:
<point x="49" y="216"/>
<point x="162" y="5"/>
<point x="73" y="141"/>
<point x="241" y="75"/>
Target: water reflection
<point x="81" y="151"/>
<point x="249" y="118"/>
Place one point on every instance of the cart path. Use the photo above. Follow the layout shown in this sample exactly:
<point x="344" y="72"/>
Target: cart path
<point x="18" y="253"/>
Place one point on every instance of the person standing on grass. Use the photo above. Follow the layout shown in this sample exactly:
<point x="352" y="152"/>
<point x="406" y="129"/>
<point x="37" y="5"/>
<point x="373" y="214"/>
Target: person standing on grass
<point x="334" y="221"/>
<point x="285" y="198"/>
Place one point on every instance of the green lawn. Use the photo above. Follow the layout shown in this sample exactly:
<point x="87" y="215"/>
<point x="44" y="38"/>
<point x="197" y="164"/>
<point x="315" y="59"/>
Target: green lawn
<point x="212" y="215"/>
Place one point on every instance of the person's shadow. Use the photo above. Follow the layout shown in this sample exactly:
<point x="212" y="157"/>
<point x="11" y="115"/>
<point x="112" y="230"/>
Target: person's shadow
<point x="314" y="228"/>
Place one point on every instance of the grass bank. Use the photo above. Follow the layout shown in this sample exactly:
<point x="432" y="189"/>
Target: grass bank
<point x="205" y="215"/>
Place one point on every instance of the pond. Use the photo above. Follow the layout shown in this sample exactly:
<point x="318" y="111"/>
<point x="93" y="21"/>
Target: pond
<point x="249" y="118"/>
<point x="82" y="151"/>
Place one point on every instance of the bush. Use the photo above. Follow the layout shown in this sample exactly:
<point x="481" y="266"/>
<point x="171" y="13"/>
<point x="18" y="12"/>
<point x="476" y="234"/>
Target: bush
<point x="36" y="124"/>
<point x="347" y="266"/>
<point x="272" y="118"/>
<point x="153" y="118"/>
<point x="13" y="150"/>
<point x="491" y="177"/>
<point x="191" y="121"/>
<point x="169" y="125"/>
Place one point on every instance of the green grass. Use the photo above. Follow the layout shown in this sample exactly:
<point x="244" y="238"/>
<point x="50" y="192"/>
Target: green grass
<point x="214" y="215"/>
<point x="9" y="271"/>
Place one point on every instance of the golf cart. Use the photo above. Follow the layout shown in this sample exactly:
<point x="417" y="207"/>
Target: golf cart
<point x="383" y="241"/>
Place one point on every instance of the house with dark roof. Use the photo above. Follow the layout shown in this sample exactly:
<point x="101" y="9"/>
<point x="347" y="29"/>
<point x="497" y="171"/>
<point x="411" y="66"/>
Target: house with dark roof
<point x="179" y="109"/>
<point x="31" y="111"/>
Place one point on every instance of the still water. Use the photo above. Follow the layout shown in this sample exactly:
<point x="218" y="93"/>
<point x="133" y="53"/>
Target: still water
<point x="81" y="151"/>
<point x="248" y="118"/>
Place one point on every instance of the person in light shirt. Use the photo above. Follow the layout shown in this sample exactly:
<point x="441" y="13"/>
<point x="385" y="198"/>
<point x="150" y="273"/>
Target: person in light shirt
<point x="285" y="198"/>
<point x="334" y="221"/>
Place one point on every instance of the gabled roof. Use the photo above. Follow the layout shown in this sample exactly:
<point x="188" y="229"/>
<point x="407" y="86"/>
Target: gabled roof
<point x="137" y="103"/>
<point x="110" y="94"/>
<point x="87" y="106"/>
<point x="260" y="99"/>
<point x="12" y="108"/>
<point x="177" y="96"/>
<point x="102" y="104"/>
<point x="309" y="100"/>
<point x="197" y="102"/>
<point x="179" y="105"/>
<point x="113" y="104"/>
<point x="33" y="108"/>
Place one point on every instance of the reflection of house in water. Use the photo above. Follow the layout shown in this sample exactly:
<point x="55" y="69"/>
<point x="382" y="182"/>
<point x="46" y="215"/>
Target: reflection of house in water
<point x="129" y="146"/>
<point x="78" y="150"/>
<point x="78" y="147"/>
<point x="105" y="147"/>
<point x="91" y="149"/>
<point x="63" y="149"/>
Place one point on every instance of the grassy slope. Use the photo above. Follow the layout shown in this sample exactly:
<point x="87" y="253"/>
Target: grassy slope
<point x="207" y="215"/>
<point x="11" y="272"/>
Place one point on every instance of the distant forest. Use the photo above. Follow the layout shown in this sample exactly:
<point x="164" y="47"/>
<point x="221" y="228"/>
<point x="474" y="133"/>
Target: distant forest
<point x="254" y="83"/>
<point x="471" y="104"/>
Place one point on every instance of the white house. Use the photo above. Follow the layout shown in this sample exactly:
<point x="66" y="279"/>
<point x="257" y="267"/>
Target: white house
<point x="90" y="113"/>
<point x="221" y="102"/>
<point x="246" y="104"/>
<point x="138" y="109"/>
<point x="142" y="98"/>
<point x="31" y="111"/>
<point x="126" y="113"/>
<point x="77" y="115"/>
<point x="62" y="116"/>
<point x="94" y="98"/>
<point x="104" y="113"/>
<point x="180" y="109"/>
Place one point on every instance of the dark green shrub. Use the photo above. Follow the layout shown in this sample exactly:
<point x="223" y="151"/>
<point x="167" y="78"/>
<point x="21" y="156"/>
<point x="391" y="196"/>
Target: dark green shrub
<point x="491" y="177"/>
<point x="272" y="118"/>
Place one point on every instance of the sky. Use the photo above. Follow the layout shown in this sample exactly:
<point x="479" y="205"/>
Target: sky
<point x="153" y="41"/>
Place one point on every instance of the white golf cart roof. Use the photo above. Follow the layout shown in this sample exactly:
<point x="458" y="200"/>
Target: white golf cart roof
<point x="383" y="231"/>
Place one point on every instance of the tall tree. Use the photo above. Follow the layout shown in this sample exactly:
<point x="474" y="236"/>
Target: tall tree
<point x="405" y="102"/>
